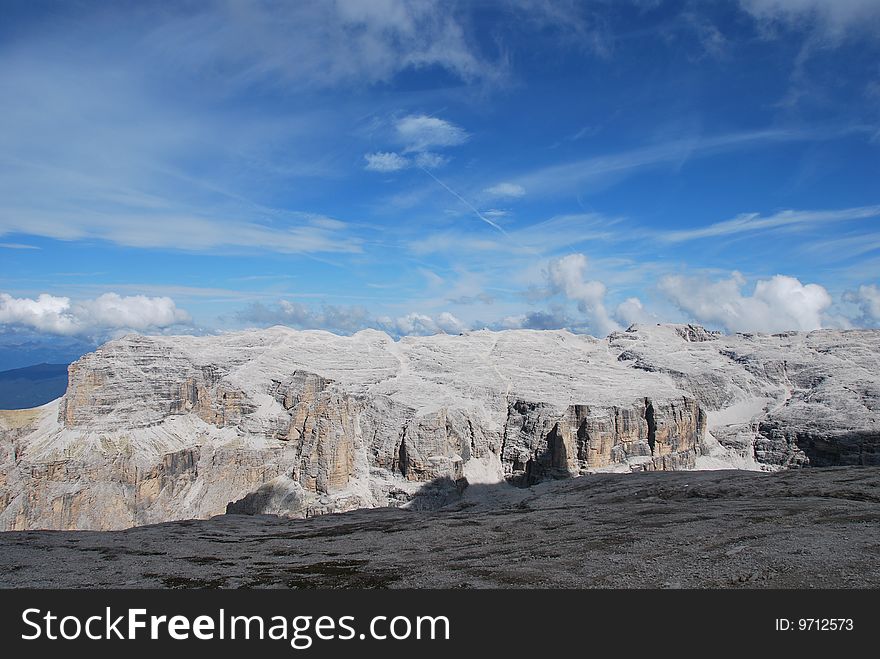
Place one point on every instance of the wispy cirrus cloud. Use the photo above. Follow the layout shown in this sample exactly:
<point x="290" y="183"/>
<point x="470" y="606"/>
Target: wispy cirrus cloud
<point x="571" y="176"/>
<point x="182" y="229"/>
<point x="89" y="154"/>
<point x="17" y="246"/>
<point x="539" y="238"/>
<point x="241" y="132"/>
<point x="318" y="44"/>
<point x="386" y="161"/>
<point x="844" y="247"/>
<point x="832" y="17"/>
<point x="504" y="189"/>
<point x="755" y="222"/>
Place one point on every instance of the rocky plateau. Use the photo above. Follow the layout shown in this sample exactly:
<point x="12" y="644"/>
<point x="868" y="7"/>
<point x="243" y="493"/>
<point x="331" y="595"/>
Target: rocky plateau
<point x="153" y="429"/>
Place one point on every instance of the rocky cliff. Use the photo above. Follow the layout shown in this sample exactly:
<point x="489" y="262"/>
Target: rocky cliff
<point x="303" y="423"/>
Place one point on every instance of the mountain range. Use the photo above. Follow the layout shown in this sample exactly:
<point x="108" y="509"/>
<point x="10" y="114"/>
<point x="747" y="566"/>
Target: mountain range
<point x="302" y="423"/>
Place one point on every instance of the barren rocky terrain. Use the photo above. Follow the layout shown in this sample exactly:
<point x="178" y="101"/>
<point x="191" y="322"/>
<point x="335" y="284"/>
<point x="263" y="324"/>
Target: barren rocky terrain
<point x="303" y="423"/>
<point x="789" y="529"/>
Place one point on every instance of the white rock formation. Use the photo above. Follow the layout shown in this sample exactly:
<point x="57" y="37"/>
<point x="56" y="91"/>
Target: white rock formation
<point x="154" y="429"/>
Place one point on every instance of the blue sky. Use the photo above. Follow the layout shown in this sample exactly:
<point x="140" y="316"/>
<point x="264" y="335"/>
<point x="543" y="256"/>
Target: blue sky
<point x="435" y="166"/>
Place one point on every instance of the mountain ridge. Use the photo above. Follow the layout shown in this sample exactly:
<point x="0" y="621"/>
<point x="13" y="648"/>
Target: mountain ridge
<point x="300" y="423"/>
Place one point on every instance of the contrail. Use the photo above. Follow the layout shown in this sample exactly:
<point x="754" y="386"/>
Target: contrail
<point x="466" y="203"/>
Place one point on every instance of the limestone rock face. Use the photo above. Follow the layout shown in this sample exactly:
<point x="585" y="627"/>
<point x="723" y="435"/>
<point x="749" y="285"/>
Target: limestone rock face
<point x="542" y="441"/>
<point x="153" y="429"/>
<point x="784" y="400"/>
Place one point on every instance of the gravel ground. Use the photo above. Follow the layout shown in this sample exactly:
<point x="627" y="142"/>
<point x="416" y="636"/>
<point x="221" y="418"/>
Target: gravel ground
<point x="813" y="528"/>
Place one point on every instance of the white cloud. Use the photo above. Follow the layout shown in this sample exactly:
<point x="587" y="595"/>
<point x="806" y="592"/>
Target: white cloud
<point x="329" y="223"/>
<point x="564" y="231"/>
<point x="430" y="160"/>
<point x="390" y="161"/>
<point x="547" y="319"/>
<point x="833" y="17"/>
<point x="632" y="311"/>
<point x="320" y="44"/>
<point x="47" y="313"/>
<point x="419" y="133"/>
<point x="512" y="322"/>
<point x="566" y="275"/>
<point x="17" y="246"/>
<point x="511" y="190"/>
<point x="449" y="323"/>
<point x="339" y="319"/>
<point x="432" y="277"/>
<point x="112" y="156"/>
<point x="383" y="161"/>
<point x="422" y="324"/>
<point x="751" y="222"/>
<point x="777" y="304"/>
<point x="602" y="170"/>
<point x="574" y="23"/>
<point x="58" y="315"/>
<point x="868" y="299"/>
<point x="454" y="242"/>
<point x="561" y="232"/>
<point x="137" y="312"/>
<point x="187" y="231"/>
<point x="349" y="319"/>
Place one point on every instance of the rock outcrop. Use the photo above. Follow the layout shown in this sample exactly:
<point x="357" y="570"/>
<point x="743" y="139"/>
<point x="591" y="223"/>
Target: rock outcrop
<point x="783" y="400"/>
<point x="155" y="429"/>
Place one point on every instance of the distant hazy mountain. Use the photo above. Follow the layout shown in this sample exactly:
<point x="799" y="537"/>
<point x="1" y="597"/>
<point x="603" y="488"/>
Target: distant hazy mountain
<point x="32" y="386"/>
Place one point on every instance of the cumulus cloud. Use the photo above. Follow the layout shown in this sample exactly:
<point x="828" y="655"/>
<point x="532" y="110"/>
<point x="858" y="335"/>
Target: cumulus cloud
<point x="867" y="297"/>
<point x="137" y="312"/>
<point x="47" y="313"/>
<point x="567" y="276"/>
<point x="348" y="319"/>
<point x="510" y="190"/>
<point x="776" y="304"/>
<point x="338" y="319"/>
<point x="383" y="161"/>
<point x="420" y="133"/>
<point x="549" y="319"/>
<point x="422" y="324"/>
<point x="52" y="314"/>
<point x="632" y="311"/>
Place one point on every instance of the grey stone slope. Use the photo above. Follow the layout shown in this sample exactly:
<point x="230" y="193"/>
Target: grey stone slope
<point x="813" y="528"/>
